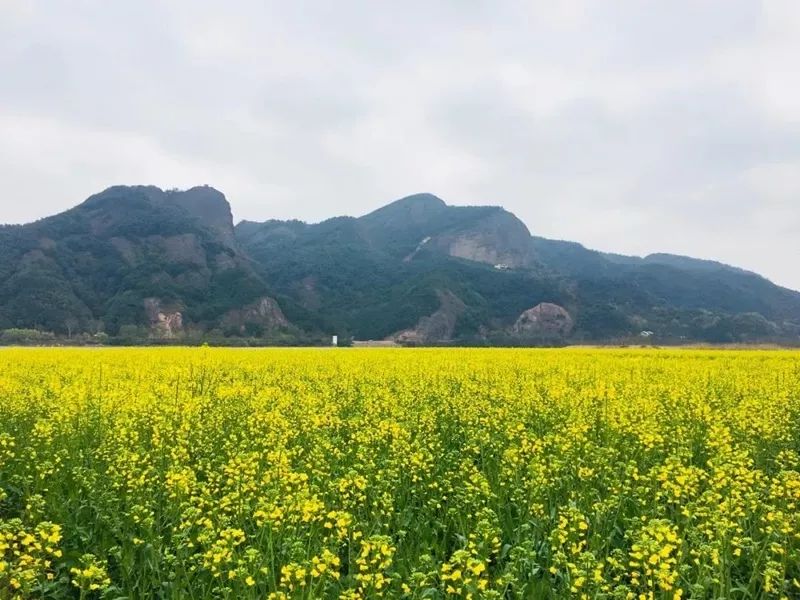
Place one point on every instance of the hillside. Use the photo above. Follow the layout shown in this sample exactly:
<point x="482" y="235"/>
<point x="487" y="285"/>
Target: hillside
<point x="388" y="272"/>
<point x="129" y="256"/>
<point x="418" y="261"/>
<point x="170" y="265"/>
<point x="676" y="297"/>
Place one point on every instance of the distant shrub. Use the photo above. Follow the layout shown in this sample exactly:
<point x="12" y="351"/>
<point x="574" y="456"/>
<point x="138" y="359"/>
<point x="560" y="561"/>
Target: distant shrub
<point x="25" y="337"/>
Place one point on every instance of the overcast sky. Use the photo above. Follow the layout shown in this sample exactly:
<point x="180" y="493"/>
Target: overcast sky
<point x="629" y="125"/>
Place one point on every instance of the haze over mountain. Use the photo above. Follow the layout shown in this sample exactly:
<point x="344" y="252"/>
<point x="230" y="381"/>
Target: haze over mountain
<point x="170" y="265"/>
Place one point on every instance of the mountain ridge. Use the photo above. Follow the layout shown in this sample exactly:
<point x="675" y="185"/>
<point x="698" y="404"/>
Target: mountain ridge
<point x="416" y="270"/>
<point x="650" y="257"/>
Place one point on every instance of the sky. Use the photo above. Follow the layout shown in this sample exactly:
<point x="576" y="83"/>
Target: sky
<point x="631" y="126"/>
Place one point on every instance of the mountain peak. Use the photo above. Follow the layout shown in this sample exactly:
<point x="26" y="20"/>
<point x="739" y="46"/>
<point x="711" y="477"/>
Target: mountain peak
<point x="118" y="194"/>
<point x="208" y="205"/>
<point x="413" y="203"/>
<point x="422" y="199"/>
<point x="409" y="211"/>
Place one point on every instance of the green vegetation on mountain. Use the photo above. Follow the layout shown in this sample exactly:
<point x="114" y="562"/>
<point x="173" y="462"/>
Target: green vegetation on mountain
<point x="95" y="267"/>
<point x="382" y="273"/>
<point x="142" y="263"/>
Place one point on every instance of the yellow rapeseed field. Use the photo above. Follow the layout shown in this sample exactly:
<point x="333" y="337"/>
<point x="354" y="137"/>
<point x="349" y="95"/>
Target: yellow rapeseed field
<point x="270" y="474"/>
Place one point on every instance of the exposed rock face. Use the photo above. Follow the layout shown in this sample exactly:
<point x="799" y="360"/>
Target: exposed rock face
<point x="265" y="314"/>
<point x="184" y="249"/>
<point x="416" y="251"/>
<point x="438" y="327"/>
<point x="164" y="323"/>
<point x="499" y="239"/>
<point x="544" y="320"/>
<point x="209" y="206"/>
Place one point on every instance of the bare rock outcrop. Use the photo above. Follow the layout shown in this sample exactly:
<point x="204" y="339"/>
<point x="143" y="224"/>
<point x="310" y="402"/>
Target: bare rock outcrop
<point x="437" y="327"/>
<point x="265" y="313"/>
<point x="209" y="207"/>
<point x="499" y="238"/>
<point x="165" y="322"/>
<point x="184" y="249"/>
<point x="544" y="320"/>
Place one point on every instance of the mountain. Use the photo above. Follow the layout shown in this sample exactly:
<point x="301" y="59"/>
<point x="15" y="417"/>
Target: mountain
<point x="170" y="264"/>
<point x="420" y="270"/>
<point x="129" y="256"/>
<point x="677" y="297"/>
<point x="401" y="268"/>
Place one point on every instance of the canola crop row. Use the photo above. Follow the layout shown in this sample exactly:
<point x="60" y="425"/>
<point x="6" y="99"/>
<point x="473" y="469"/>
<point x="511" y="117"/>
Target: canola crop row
<point x="354" y="474"/>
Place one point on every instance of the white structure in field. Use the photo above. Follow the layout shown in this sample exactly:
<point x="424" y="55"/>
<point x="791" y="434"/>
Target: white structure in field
<point x="335" y="340"/>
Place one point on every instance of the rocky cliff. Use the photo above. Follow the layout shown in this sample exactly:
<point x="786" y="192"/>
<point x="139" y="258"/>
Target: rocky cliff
<point x="545" y="320"/>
